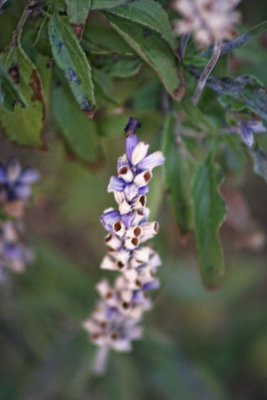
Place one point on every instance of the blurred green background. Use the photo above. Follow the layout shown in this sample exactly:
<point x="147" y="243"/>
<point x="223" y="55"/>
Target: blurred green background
<point x="198" y="345"/>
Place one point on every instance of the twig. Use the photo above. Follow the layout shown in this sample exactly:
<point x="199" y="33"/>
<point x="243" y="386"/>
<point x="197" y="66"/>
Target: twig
<point x="183" y="45"/>
<point x="205" y="74"/>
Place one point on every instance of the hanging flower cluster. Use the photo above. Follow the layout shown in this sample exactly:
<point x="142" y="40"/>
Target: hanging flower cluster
<point x="15" y="192"/>
<point x="115" y="321"/>
<point x="208" y="20"/>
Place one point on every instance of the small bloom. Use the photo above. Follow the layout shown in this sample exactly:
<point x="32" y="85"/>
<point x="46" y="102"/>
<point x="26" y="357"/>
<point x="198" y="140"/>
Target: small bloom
<point x="16" y="182"/>
<point x="248" y="129"/>
<point x="208" y="20"/>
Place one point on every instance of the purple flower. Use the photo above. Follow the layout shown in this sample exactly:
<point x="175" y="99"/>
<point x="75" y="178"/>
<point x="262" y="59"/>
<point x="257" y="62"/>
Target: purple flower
<point x="248" y="129"/>
<point x="114" y="323"/>
<point x="15" y="182"/>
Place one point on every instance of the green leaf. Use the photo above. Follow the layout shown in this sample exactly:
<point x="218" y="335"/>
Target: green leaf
<point x="198" y="119"/>
<point x="260" y="161"/>
<point x="102" y="82"/>
<point x="125" y="67"/>
<point x="209" y="213"/>
<point x="105" y="4"/>
<point x="80" y="132"/>
<point x="9" y="93"/>
<point x="152" y="48"/>
<point x="24" y="125"/>
<point x="100" y="39"/>
<point x="71" y="59"/>
<point x="151" y="15"/>
<point x="177" y="177"/>
<point x="78" y="10"/>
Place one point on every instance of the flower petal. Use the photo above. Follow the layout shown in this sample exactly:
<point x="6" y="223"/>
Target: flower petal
<point x="22" y="191"/>
<point x="13" y="169"/>
<point x="3" y="177"/>
<point x="131" y="143"/>
<point x="151" y="161"/>
<point x="116" y="184"/>
<point x="29" y="175"/>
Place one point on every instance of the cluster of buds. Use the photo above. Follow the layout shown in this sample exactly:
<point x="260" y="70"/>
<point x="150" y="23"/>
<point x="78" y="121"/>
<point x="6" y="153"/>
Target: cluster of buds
<point x="15" y="192"/>
<point x="208" y="20"/>
<point x="115" y="321"/>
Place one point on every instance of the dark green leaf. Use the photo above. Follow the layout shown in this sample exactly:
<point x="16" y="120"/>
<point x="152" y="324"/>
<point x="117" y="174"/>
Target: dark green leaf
<point x="9" y="93"/>
<point x="152" y="48"/>
<point x="100" y="39"/>
<point x="177" y="177"/>
<point x="79" y="132"/>
<point x="209" y="213"/>
<point x="151" y="15"/>
<point x="78" y="10"/>
<point x="24" y="125"/>
<point x="260" y="161"/>
<point x="71" y="59"/>
<point x="104" y="4"/>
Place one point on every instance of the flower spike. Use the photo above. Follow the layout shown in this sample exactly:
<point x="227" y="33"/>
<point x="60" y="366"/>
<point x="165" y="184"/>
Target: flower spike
<point x="115" y="321"/>
<point x="15" y="192"/>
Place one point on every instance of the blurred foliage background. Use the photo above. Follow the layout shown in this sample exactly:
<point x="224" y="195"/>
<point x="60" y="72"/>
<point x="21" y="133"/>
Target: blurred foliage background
<point x="198" y="344"/>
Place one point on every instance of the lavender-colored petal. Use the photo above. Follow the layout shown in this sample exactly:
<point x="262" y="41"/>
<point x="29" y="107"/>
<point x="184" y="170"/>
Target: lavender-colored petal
<point x="109" y="218"/>
<point x="131" y="143"/>
<point x="29" y="175"/>
<point x="128" y="219"/>
<point x="138" y="296"/>
<point x="12" y="252"/>
<point x="151" y="161"/>
<point x="112" y="313"/>
<point x="130" y="191"/>
<point x="153" y="285"/>
<point x="143" y="190"/>
<point x="22" y="191"/>
<point x="3" y="177"/>
<point x="256" y="126"/>
<point x="116" y="184"/>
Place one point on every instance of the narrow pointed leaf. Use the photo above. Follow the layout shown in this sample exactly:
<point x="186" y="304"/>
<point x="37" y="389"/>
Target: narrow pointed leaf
<point x="79" y="131"/>
<point x="209" y="213"/>
<point x="177" y="177"/>
<point x="149" y="45"/>
<point x="24" y="125"/>
<point x="70" y="57"/>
